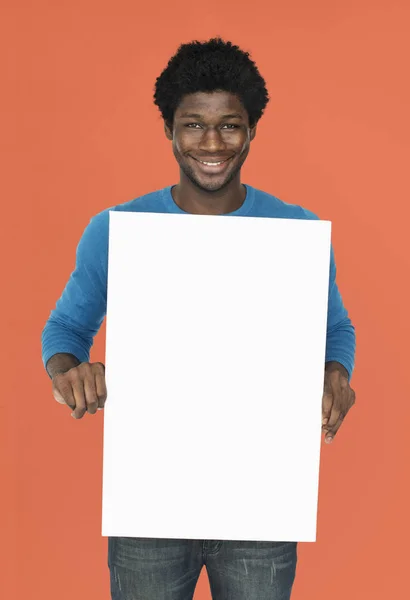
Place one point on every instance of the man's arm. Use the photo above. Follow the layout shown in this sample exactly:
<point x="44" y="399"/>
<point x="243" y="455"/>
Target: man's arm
<point x="69" y="332"/>
<point x="338" y="396"/>
<point x="341" y="336"/>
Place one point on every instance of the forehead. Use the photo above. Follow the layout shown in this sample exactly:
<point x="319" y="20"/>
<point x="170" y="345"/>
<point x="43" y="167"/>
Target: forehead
<point x="210" y="102"/>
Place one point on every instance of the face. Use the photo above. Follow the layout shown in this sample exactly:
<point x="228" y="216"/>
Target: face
<point x="210" y="138"/>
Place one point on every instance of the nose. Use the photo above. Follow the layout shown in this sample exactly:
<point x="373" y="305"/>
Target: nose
<point x="211" y="141"/>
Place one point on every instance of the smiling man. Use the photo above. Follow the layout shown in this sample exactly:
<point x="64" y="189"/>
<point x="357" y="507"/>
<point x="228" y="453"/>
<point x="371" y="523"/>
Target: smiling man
<point x="211" y="97"/>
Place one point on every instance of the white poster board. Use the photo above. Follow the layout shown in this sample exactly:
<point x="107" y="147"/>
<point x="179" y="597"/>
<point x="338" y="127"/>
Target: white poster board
<point x="215" y="352"/>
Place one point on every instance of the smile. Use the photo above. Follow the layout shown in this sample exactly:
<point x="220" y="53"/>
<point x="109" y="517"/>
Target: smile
<point x="208" y="166"/>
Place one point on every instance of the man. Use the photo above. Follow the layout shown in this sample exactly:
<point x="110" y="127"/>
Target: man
<point x="211" y="97"/>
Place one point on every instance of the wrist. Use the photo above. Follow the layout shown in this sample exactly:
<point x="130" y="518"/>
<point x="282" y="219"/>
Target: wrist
<point x="333" y="365"/>
<point x="61" y="363"/>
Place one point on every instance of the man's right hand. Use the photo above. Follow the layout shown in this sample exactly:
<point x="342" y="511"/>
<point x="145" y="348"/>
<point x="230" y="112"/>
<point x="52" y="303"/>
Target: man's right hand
<point x="82" y="388"/>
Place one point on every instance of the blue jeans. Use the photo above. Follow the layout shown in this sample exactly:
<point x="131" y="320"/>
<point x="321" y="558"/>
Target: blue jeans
<point x="168" y="569"/>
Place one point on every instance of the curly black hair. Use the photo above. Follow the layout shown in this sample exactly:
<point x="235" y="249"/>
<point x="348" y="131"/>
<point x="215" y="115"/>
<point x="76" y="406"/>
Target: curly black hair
<point x="207" y="67"/>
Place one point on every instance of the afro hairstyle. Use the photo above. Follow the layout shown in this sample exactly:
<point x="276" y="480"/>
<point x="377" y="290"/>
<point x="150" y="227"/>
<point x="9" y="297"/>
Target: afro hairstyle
<point x="211" y="66"/>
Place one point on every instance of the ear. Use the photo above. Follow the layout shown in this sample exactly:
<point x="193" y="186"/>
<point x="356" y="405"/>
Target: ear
<point x="168" y="131"/>
<point x="253" y="132"/>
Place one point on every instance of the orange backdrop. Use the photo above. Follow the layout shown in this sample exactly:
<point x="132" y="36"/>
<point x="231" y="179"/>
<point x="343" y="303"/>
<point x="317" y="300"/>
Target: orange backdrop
<point x="81" y="133"/>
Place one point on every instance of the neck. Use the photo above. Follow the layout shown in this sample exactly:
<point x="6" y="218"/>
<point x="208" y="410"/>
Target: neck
<point x="194" y="200"/>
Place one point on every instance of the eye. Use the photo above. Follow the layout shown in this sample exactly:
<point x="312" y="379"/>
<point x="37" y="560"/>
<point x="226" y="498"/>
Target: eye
<point x="229" y="126"/>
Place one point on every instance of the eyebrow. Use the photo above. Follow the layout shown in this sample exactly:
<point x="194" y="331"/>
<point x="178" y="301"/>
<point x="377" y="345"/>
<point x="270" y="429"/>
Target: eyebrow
<point x="197" y="116"/>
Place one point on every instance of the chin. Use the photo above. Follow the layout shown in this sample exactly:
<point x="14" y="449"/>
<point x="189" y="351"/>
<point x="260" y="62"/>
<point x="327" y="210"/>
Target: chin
<point x="211" y="187"/>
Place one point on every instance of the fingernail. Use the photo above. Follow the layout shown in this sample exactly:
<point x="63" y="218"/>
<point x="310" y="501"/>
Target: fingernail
<point x="324" y="421"/>
<point x="329" y="439"/>
<point x="73" y="415"/>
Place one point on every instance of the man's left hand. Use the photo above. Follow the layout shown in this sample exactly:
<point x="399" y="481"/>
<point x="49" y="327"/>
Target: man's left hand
<point x="338" y="399"/>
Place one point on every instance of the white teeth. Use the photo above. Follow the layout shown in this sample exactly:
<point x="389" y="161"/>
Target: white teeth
<point x="211" y="164"/>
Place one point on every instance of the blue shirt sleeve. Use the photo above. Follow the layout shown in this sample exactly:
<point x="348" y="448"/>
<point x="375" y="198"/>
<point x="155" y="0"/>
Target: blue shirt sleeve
<point x="341" y="336"/>
<point x="81" y="309"/>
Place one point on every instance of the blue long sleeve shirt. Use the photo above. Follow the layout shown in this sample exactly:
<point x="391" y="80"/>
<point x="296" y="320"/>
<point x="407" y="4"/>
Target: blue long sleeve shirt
<point x="81" y="309"/>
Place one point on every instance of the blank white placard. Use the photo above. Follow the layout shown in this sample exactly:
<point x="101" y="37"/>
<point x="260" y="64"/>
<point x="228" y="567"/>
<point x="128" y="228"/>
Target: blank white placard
<point x="215" y="352"/>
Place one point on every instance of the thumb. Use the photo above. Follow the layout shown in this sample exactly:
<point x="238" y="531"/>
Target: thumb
<point x="58" y="396"/>
<point x="327" y="403"/>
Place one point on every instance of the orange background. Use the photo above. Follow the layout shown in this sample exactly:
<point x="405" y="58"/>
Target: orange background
<point x="80" y="133"/>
